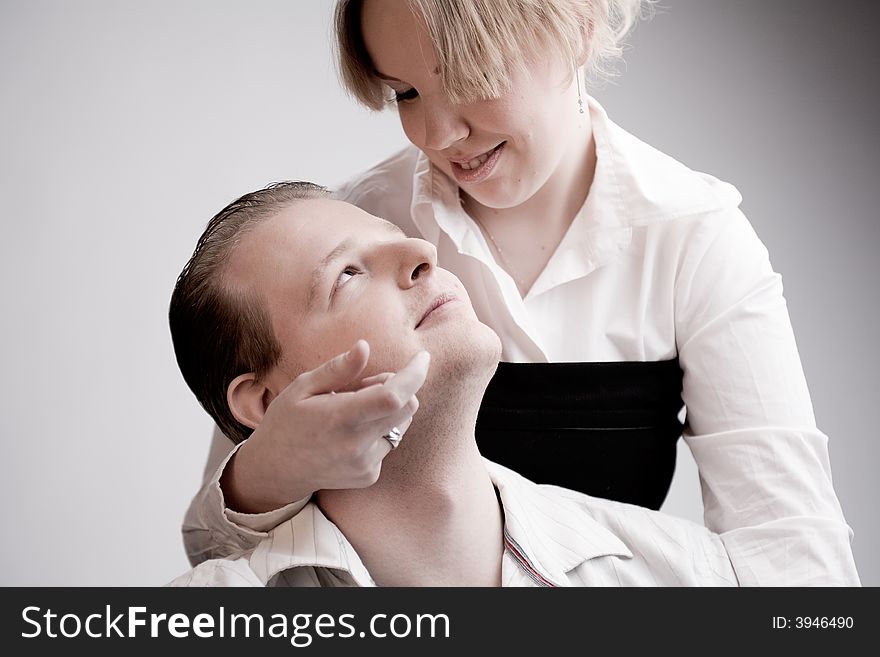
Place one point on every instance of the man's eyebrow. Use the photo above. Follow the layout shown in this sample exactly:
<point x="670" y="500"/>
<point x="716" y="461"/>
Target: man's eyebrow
<point x="392" y="228"/>
<point x="318" y="273"/>
<point x="339" y="249"/>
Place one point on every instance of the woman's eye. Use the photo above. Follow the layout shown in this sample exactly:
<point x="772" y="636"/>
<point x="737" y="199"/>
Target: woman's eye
<point x="403" y="96"/>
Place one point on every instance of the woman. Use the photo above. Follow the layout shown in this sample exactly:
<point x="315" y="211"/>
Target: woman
<point x="620" y="282"/>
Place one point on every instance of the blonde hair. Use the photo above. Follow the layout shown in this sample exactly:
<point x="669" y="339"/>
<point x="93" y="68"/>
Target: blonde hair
<point x="476" y="42"/>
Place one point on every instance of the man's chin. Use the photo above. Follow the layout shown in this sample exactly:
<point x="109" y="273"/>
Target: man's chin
<point x="470" y="355"/>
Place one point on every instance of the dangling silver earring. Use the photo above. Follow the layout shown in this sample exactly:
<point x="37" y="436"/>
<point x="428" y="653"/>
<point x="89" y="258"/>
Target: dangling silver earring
<point x="580" y="100"/>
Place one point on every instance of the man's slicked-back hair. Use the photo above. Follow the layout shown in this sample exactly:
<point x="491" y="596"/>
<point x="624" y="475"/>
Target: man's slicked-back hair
<point x="219" y="333"/>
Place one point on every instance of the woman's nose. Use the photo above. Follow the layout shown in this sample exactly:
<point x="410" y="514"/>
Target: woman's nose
<point x="443" y="125"/>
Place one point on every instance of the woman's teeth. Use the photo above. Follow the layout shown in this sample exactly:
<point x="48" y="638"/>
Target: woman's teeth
<point x="477" y="161"/>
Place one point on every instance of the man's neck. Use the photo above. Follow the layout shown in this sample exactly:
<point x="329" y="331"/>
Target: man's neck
<point x="433" y="518"/>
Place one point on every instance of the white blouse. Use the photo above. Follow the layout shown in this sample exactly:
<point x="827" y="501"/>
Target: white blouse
<point x="659" y="262"/>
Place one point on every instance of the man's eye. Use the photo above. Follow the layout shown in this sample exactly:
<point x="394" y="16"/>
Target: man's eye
<point x="344" y="276"/>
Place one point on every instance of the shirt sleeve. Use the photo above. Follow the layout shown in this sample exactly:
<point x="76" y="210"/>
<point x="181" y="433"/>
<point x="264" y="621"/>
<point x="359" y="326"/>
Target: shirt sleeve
<point x="210" y="530"/>
<point x="763" y="463"/>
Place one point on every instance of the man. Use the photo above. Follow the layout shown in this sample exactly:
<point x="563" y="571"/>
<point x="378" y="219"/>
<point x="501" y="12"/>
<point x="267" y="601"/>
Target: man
<point x="283" y="279"/>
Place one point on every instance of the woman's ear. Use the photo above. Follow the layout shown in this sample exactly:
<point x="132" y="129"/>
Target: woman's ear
<point x="248" y="399"/>
<point x="586" y="45"/>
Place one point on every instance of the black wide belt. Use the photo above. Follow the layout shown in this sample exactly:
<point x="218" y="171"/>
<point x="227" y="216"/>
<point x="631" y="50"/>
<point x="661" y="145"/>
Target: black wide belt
<point x="605" y="429"/>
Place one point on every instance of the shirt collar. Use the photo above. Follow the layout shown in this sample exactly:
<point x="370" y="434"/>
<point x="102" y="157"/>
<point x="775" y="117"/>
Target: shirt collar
<point x="546" y="531"/>
<point x="307" y="539"/>
<point x="547" y="534"/>
<point x="639" y="185"/>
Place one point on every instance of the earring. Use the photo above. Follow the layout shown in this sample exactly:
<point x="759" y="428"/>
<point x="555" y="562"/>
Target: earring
<point x="580" y="100"/>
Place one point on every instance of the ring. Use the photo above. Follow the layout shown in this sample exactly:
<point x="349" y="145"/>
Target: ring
<point x="393" y="437"/>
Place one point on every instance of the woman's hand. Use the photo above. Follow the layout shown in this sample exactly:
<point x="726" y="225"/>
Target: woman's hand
<point x="313" y="438"/>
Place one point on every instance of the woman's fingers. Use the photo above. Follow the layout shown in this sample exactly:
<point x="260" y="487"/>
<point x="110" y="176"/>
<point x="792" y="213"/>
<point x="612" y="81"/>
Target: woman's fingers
<point x="379" y="402"/>
<point x="337" y="373"/>
<point x="375" y="379"/>
<point x="402" y="419"/>
<point x="311" y="440"/>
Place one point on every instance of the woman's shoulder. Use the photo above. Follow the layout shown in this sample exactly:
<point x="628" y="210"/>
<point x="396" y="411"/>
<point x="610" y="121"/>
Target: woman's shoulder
<point x="685" y="222"/>
<point x="649" y="187"/>
<point x="384" y="189"/>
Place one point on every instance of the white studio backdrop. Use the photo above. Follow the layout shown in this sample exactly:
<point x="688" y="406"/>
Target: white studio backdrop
<point x="124" y="126"/>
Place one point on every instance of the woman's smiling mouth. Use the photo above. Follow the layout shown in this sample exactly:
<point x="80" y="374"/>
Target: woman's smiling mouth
<point x="476" y="169"/>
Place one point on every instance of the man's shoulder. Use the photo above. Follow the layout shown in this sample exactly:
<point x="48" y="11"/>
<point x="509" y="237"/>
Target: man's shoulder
<point x="219" y="573"/>
<point x="675" y="551"/>
<point x="657" y="548"/>
<point x="613" y="514"/>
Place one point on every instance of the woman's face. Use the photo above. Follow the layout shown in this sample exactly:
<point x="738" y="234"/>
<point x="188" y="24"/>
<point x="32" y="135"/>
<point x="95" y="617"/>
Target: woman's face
<point x="501" y="151"/>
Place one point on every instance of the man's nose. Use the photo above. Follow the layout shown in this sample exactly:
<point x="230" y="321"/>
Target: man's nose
<point x="417" y="260"/>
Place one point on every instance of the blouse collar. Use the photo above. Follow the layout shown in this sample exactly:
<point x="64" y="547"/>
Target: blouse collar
<point x="633" y="185"/>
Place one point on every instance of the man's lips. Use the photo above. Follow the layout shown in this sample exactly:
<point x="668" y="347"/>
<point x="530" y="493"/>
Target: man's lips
<point x="439" y="300"/>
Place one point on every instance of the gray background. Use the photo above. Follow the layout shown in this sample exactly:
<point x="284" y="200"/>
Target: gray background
<point x="125" y="125"/>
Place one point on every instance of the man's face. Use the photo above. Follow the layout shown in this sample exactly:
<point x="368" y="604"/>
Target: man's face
<point x="331" y="274"/>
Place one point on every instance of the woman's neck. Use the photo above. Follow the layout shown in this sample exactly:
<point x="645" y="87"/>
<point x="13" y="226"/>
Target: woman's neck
<point x="523" y="238"/>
